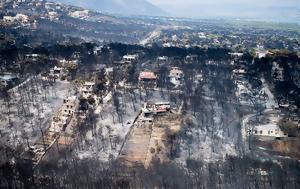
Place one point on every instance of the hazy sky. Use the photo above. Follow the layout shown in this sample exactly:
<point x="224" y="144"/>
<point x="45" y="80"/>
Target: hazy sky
<point x="178" y="3"/>
<point x="269" y="9"/>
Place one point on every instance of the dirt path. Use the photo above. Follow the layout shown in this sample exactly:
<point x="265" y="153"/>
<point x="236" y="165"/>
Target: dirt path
<point x="150" y="140"/>
<point x="136" y="145"/>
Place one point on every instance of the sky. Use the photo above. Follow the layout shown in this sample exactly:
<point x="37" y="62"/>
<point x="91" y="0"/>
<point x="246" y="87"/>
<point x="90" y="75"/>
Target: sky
<point x="262" y="10"/>
<point x="282" y="10"/>
<point x="179" y="3"/>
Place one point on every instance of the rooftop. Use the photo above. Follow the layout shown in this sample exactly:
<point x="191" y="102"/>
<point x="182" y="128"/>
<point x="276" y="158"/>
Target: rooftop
<point x="7" y="77"/>
<point x="130" y="56"/>
<point x="89" y="83"/>
<point x="147" y="75"/>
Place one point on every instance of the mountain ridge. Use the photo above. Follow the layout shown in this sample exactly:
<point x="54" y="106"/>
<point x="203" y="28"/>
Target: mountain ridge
<point x="125" y="7"/>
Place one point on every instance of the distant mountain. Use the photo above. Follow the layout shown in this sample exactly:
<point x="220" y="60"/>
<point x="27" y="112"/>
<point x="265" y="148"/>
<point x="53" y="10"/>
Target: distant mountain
<point x="126" y="7"/>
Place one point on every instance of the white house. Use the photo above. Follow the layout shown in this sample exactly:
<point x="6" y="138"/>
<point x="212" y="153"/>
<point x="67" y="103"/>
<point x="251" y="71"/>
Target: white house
<point x="69" y="64"/>
<point x="58" y="72"/>
<point x="33" y="57"/>
<point x="151" y="108"/>
<point x="270" y="130"/>
<point x="236" y="55"/>
<point x="19" y="17"/>
<point x="202" y="35"/>
<point x="8" y="18"/>
<point x="147" y="79"/>
<point x="53" y="15"/>
<point x="64" y="115"/>
<point x="130" y="58"/>
<point x="239" y="71"/>
<point x="176" y="76"/>
<point x="80" y="14"/>
<point x="69" y="105"/>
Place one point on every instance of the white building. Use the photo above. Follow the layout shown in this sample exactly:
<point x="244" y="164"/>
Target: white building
<point x="33" y="57"/>
<point x="130" y="58"/>
<point x="239" y="71"/>
<point x="8" y="18"/>
<point x="236" y="55"/>
<point x="80" y="14"/>
<point x="69" y="64"/>
<point x="202" y="35"/>
<point x="69" y="105"/>
<point x="176" y="76"/>
<point x="19" y="17"/>
<point x="270" y="130"/>
<point x="64" y="115"/>
<point x="53" y="15"/>
<point x="58" y="72"/>
<point x="152" y="108"/>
